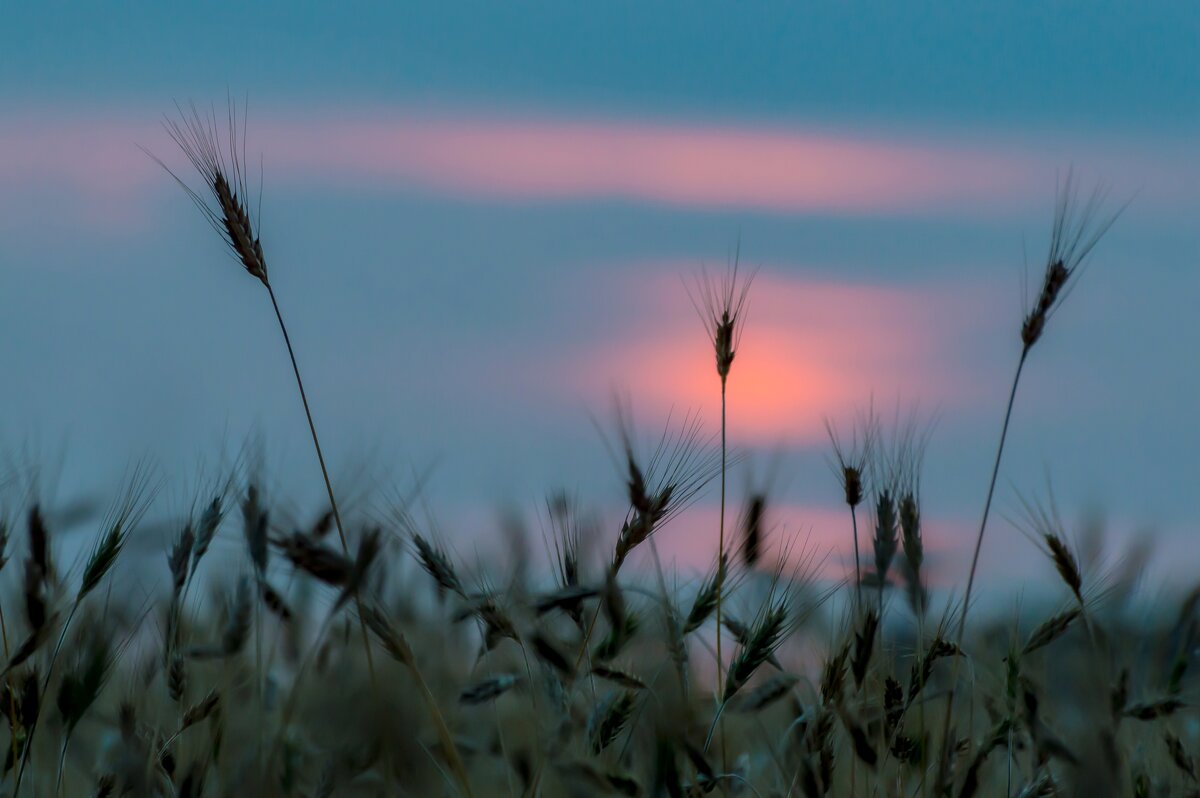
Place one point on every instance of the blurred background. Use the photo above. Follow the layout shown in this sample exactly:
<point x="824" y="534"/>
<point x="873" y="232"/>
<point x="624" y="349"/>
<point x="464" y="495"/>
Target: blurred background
<point x="480" y="219"/>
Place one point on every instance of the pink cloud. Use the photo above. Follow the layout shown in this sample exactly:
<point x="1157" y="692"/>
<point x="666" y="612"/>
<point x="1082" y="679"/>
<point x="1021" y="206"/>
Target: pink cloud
<point x="704" y="166"/>
<point x="69" y="170"/>
<point x="498" y="157"/>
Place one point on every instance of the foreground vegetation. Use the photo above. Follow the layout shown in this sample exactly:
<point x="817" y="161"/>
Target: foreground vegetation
<point x="354" y="655"/>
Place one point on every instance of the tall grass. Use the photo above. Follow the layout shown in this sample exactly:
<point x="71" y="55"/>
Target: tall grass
<point x="1074" y="234"/>
<point x="721" y="304"/>
<point x="576" y="676"/>
<point x="220" y="161"/>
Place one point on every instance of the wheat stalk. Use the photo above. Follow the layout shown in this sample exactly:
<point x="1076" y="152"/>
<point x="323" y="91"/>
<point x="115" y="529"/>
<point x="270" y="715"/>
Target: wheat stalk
<point x="850" y="464"/>
<point x="1074" y="234"/>
<point x="221" y="163"/>
<point x="126" y="513"/>
<point x="721" y="305"/>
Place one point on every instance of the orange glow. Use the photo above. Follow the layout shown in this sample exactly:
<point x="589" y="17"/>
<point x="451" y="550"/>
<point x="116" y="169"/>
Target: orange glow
<point x="810" y="349"/>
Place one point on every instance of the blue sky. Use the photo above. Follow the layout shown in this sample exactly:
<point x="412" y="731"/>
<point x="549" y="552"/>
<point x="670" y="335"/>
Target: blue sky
<point x="1107" y="64"/>
<point x="478" y="216"/>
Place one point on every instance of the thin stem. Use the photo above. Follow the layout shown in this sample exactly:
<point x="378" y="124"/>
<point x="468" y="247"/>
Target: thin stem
<point x="854" y="776"/>
<point x="312" y="428"/>
<point x="259" y="678"/>
<point x="666" y="600"/>
<point x="337" y="519"/>
<point x="987" y="506"/>
<point x="922" y="720"/>
<point x="491" y="673"/>
<point x="857" y="568"/>
<point x="537" y="729"/>
<point x="585" y="648"/>
<point x="62" y="759"/>
<point x="293" y="695"/>
<point x="169" y="741"/>
<point x="451" y="749"/>
<point x="712" y="727"/>
<point x="721" y="564"/>
<point x="12" y="701"/>
<point x="45" y="686"/>
<point x="721" y="547"/>
<point x="587" y="638"/>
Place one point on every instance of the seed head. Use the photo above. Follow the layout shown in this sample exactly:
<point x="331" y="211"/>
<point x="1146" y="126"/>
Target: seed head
<point x="255" y="522"/>
<point x="770" y="628"/>
<point x="273" y="601"/>
<point x="368" y="550"/>
<point x="884" y="539"/>
<point x="864" y="646"/>
<point x="752" y="528"/>
<point x="220" y="158"/>
<point x="567" y="532"/>
<point x="1076" y="231"/>
<point x="609" y="718"/>
<point x="721" y="303"/>
<point x="1050" y="630"/>
<point x="315" y="558"/>
<point x="901" y="466"/>
<point x="914" y="550"/>
<point x="103" y="557"/>
<point x="682" y="463"/>
<point x="82" y="684"/>
<point x="205" y="708"/>
<point x="179" y="557"/>
<point x="1045" y="526"/>
<point x="707" y="597"/>
<point x="237" y="622"/>
<point x="850" y="461"/>
<point x="489" y="689"/>
<point x="177" y="678"/>
<point x="117" y="523"/>
<point x="3" y="543"/>
<point x="39" y="547"/>
<point x="1066" y="564"/>
<point x="392" y="639"/>
<point x="910" y="528"/>
<point x="437" y="564"/>
<point x="210" y="520"/>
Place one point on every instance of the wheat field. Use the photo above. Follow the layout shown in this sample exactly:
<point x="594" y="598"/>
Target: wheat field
<point x="354" y="654"/>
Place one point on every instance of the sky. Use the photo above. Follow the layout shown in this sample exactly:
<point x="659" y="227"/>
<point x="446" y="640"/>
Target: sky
<point x="481" y="220"/>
